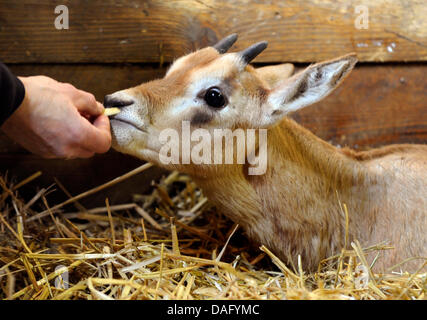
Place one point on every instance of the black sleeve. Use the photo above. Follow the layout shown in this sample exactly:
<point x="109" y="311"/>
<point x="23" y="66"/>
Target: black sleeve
<point x="12" y="93"/>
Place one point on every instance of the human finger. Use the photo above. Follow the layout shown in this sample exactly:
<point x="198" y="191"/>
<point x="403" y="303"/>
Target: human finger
<point x="97" y="136"/>
<point x="86" y="104"/>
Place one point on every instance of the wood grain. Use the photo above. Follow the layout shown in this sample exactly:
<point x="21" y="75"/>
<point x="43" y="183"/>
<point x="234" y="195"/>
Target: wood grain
<point x="157" y="31"/>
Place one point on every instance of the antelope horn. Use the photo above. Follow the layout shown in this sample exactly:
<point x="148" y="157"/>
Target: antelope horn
<point x="250" y="53"/>
<point x="223" y="45"/>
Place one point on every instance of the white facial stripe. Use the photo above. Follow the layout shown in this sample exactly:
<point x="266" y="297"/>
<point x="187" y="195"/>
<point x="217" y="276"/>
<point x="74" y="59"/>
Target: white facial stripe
<point x="180" y="106"/>
<point x="200" y="80"/>
<point x="202" y="84"/>
<point x="183" y="105"/>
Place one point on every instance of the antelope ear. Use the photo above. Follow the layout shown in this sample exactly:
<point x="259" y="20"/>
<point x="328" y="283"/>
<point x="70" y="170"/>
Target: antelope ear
<point x="307" y="87"/>
<point x="273" y="75"/>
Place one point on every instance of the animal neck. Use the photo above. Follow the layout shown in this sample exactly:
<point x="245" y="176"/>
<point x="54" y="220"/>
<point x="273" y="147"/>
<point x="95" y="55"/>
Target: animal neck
<point x="311" y="161"/>
<point x="308" y="183"/>
<point x="297" y="205"/>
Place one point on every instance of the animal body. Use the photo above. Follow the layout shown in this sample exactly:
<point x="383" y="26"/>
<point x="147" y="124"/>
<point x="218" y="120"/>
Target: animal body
<point x="295" y="207"/>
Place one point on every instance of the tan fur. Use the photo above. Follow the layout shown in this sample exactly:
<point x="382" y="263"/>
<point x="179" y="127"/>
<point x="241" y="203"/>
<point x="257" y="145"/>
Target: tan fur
<point x="296" y="207"/>
<point x="274" y="74"/>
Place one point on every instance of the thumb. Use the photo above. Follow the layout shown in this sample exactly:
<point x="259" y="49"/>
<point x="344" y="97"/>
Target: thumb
<point x="102" y="123"/>
<point x="98" y="135"/>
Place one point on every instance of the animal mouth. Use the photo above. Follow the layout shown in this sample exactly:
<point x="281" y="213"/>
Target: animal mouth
<point x="130" y="124"/>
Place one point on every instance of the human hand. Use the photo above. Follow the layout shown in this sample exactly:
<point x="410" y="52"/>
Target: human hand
<point x="56" y="120"/>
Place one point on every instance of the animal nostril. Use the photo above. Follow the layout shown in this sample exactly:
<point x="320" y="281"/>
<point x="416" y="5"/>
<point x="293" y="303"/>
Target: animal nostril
<point x="111" y="101"/>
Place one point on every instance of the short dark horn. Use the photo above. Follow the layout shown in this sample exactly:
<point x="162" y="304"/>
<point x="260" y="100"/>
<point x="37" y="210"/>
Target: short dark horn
<point x="250" y="53"/>
<point x="223" y="45"/>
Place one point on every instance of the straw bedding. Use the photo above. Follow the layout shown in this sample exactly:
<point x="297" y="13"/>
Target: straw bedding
<point x="170" y="243"/>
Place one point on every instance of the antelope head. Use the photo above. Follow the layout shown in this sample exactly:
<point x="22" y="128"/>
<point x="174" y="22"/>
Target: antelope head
<point x="211" y="89"/>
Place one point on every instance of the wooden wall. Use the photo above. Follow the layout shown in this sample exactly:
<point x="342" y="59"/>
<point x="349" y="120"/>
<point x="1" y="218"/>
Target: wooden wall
<point x="115" y="44"/>
<point x="153" y="30"/>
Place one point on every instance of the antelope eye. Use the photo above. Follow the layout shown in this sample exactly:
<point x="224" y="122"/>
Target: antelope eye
<point x="214" y="98"/>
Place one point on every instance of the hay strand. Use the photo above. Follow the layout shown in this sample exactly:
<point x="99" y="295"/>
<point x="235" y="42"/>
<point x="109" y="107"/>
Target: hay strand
<point x="164" y="246"/>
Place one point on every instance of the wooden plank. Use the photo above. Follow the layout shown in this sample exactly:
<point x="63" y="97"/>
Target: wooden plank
<point x="156" y="30"/>
<point x="98" y="79"/>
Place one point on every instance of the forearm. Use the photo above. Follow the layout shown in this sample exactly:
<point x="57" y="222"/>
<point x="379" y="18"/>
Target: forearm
<point x="12" y="93"/>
